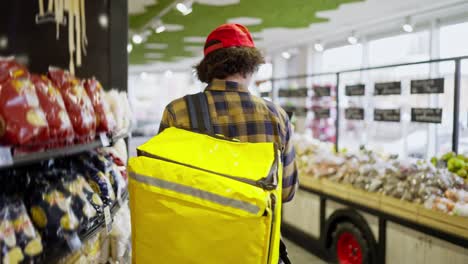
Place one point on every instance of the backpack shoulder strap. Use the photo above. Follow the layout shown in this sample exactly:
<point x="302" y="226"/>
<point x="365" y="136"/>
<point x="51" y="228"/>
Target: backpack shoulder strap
<point x="199" y="113"/>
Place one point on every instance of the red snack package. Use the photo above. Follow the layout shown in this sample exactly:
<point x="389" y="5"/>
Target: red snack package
<point x="22" y="121"/>
<point x="60" y="127"/>
<point x="9" y="68"/>
<point x="79" y="106"/>
<point x="104" y="119"/>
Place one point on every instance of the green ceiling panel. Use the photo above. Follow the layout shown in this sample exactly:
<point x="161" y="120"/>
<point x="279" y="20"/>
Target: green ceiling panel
<point x="204" y="18"/>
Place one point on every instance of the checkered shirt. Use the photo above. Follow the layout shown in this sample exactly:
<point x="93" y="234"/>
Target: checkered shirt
<point x="237" y="114"/>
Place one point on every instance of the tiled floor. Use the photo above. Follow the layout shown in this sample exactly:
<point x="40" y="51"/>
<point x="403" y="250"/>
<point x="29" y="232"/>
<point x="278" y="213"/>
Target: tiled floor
<point x="299" y="256"/>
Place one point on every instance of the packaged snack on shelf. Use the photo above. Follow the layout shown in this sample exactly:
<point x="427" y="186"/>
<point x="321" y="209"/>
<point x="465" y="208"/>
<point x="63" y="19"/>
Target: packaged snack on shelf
<point x="95" y="168"/>
<point x="104" y="119"/>
<point x="19" y="240"/>
<point x="121" y="233"/>
<point x="82" y="208"/>
<point x="22" y="120"/>
<point x="52" y="212"/>
<point x="79" y="106"/>
<point x="60" y="127"/>
<point x="121" y="110"/>
<point x="11" y="69"/>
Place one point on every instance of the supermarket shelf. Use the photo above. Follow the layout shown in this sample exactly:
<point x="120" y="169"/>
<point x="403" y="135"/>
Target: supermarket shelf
<point x="61" y="251"/>
<point x="8" y="160"/>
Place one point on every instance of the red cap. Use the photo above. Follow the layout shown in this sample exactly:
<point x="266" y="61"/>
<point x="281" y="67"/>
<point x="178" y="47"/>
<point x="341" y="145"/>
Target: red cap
<point x="228" y="35"/>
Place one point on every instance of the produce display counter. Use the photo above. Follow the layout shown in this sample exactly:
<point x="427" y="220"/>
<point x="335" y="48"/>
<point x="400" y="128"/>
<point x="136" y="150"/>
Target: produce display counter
<point x="395" y="231"/>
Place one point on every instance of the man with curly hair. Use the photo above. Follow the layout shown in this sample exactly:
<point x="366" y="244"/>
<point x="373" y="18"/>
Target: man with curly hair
<point x="229" y="63"/>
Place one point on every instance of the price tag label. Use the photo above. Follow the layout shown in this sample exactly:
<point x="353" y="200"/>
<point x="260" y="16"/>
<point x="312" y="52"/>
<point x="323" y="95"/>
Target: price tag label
<point x="355" y="90"/>
<point x="321" y="91"/>
<point x="104" y="140"/>
<point x="426" y="115"/>
<point x="429" y="86"/>
<point x="387" y="88"/>
<point x="387" y="115"/>
<point x="5" y="156"/>
<point x="354" y="113"/>
<point x="321" y="113"/>
<point x="108" y="219"/>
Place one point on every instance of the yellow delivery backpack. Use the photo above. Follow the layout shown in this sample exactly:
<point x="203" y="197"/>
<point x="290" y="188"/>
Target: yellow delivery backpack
<point x="201" y="199"/>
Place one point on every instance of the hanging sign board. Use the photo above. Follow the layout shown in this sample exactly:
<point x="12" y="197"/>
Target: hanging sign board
<point x="426" y="115"/>
<point x="283" y="93"/>
<point x="321" y="113"/>
<point x="301" y="92"/>
<point x="354" y="113"/>
<point x="355" y="90"/>
<point x="387" y="88"/>
<point x="387" y="115"/>
<point x="429" y="86"/>
<point x="322" y="91"/>
<point x="299" y="111"/>
<point x="265" y="94"/>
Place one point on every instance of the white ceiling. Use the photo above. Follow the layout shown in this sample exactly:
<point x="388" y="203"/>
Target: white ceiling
<point x="365" y="18"/>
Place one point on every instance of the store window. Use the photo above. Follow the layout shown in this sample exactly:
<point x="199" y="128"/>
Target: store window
<point x="454" y="40"/>
<point x="341" y="58"/>
<point x="399" y="49"/>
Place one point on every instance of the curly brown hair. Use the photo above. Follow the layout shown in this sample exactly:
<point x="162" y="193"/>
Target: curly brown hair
<point x="225" y="62"/>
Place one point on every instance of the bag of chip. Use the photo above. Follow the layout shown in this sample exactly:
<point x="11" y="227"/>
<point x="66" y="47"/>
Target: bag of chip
<point x="79" y="106"/>
<point x="82" y="208"/>
<point x="95" y="168"/>
<point x="10" y="250"/>
<point x="26" y="236"/>
<point x="104" y="118"/>
<point x="52" y="213"/>
<point x="22" y="121"/>
<point x="60" y="127"/>
<point x="11" y="69"/>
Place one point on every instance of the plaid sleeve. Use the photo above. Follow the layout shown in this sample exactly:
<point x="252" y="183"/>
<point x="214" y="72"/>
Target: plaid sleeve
<point x="290" y="179"/>
<point x="168" y="119"/>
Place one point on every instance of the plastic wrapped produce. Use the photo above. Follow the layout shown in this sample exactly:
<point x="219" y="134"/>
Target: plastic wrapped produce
<point x="120" y="108"/>
<point x="22" y="120"/>
<point x="11" y="69"/>
<point x="79" y="106"/>
<point x="104" y="119"/>
<point x="60" y="128"/>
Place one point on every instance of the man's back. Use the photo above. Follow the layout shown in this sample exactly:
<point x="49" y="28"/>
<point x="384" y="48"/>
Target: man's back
<point x="237" y="114"/>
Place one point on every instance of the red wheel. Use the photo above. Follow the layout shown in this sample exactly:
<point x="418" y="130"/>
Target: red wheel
<point x="348" y="249"/>
<point x="349" y="245"/>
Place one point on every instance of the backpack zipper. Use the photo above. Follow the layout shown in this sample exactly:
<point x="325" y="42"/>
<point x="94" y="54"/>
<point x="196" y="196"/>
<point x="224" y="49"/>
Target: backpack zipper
<point x="260" y="183"/>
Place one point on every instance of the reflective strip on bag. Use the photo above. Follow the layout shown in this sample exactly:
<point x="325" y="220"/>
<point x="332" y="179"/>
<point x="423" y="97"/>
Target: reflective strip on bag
<point x="215" y="198"/>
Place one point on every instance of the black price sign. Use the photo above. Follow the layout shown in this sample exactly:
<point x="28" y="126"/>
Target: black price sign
<point x="299" y="111"/>
<point x="283" y="93"/>
<point x="321" y="113"/>
<point x="387" y="115"/>
<point x="265" y="94"/>
<point x="354" y="113"/>
<point x="429" y="86"/>
<point x="387" y="88"/>
<point x="322" y="91"/>
<point x="426" y="115"/>
<point x="301" y="92"/>
<point x="355" y="90"/>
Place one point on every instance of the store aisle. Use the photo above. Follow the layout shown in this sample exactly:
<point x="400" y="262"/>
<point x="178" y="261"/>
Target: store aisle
<point x="300" y="256"/>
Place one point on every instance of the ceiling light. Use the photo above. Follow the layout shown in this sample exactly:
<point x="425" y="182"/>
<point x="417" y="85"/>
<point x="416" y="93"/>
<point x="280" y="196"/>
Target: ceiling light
<point x="137" y="39"/>
<point x="286" y="55"/>
<point x="408" y="26"/>
<point x="353" y="39"/>
<point x="318" y="46"/>
<point x="129" y="47"/>
<point x="160" y="29"/>
<point x="103" y="20"/>
<point x="184" y="7"/>
<point x="168" y="74"/>
<point x="3" y="42"/>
